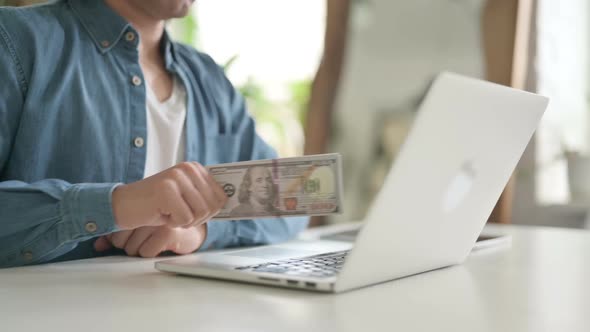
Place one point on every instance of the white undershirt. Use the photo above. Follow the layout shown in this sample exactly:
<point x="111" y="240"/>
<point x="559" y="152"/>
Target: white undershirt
<point x="165" y="130"/>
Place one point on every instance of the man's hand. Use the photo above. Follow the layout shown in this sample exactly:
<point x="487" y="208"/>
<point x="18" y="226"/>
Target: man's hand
<point x="151" y="241"/>
<point x="182" y="196"/>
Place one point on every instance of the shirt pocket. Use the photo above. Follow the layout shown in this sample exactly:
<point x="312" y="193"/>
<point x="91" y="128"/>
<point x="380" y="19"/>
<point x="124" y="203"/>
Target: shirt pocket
<point x="223" y="148"/>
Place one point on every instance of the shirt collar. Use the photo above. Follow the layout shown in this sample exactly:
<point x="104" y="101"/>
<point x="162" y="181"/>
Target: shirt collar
<point x="106" y="27"/>
<point x="103" y="24"/>
<point x="169" y="51"/>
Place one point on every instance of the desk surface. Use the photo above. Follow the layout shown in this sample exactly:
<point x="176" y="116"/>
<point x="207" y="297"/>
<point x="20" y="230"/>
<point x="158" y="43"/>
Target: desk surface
<point x="540" y="283"/>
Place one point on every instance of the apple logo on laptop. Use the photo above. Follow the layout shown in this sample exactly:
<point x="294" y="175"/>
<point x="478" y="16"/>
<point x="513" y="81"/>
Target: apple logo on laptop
<point x="459" y="187"/>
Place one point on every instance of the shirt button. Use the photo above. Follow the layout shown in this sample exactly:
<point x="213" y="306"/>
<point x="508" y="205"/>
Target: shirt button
<point x="28" y="256"/>
<point x="91" y="227"/>
<point x="136" y="80"/>
<point x="138" y="142"/>
<point x="130" y="36"/>
<point x="105" y="43"/>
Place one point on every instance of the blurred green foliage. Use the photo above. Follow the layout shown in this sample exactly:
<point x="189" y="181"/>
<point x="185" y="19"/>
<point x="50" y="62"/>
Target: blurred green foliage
<point x="186" y="29"/>
<point x="300" y="93"/>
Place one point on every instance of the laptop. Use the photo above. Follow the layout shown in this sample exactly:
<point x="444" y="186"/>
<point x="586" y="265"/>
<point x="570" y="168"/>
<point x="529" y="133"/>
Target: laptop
<point x="466" y="141"/>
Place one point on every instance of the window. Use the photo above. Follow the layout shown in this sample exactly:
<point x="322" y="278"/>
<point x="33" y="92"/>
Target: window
<point x="562" y="69"/>
<point x="271" y="50"/>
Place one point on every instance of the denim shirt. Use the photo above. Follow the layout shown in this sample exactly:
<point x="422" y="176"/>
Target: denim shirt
<point x="73" y="126"/>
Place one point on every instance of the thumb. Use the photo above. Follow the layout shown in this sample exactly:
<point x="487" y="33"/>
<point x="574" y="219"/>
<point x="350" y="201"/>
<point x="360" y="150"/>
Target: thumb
<point x="175" y="247"/>
<point x="187" y="241"/>
<point x="102" y="244"/>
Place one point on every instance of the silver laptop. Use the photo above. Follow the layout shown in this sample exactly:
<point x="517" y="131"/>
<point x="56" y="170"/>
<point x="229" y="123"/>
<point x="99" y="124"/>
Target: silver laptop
<point x="465" y="143"/>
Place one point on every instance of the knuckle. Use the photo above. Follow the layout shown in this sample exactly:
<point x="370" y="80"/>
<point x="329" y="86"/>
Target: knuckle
<point x="176" y="174"/>
<point x="198" y="165"/>
<point x="185" y="167"/>
<point x="201" y="170"/>
<point x="167" y="185"/>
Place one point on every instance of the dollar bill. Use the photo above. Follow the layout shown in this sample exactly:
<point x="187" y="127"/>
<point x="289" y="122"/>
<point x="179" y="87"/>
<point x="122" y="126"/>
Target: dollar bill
<point x="301" y="186"/>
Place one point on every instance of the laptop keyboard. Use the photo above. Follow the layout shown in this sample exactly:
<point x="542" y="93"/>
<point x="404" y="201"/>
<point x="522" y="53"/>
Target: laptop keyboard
<point x="318" y="266"/>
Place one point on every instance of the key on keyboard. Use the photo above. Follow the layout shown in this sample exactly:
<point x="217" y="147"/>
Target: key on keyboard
<point x="319" y="266"/>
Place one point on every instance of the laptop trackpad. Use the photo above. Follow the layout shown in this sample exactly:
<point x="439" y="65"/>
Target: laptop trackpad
<point x="271" y="253"/>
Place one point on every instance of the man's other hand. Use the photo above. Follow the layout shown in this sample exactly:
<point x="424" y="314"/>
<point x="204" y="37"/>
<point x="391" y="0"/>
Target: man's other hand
<point x="151" y="241"/>
<point x="185" y="195"/>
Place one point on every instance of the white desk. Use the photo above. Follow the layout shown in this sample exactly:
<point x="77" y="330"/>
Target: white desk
<point x="541" y="283"/>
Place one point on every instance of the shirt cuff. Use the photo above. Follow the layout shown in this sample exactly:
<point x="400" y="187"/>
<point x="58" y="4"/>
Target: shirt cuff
<point x="87" y="210"/>
<point x="219" y="234"/>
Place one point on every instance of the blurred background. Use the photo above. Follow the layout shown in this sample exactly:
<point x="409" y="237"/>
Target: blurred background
<point x="348" y="76"/>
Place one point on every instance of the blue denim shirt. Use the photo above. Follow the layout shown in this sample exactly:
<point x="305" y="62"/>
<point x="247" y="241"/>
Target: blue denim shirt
<point x="72" y="103"/>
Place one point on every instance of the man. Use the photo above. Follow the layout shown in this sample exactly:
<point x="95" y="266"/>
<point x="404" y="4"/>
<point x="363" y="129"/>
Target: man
<point x="257" y="192"/>
<point x="94" y="96"/>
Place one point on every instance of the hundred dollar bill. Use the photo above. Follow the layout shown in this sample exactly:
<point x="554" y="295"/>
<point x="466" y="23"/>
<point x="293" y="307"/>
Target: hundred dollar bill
<point x="301" y="186"/>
